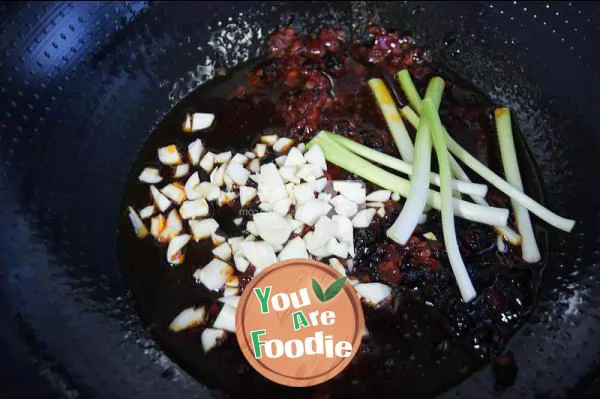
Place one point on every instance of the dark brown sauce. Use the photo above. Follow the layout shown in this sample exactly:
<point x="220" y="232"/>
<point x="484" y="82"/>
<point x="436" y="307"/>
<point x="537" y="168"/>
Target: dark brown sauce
<point x="424" y="342"/>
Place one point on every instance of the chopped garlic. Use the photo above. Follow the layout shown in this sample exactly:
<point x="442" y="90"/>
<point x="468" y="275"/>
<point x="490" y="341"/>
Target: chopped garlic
<point x="174" y="251"/>
<point x="294" y="249"/>
<point x="280" y="160"/>
<point x="147" y="211"/>
<point x="247" y="194"/>
<point x="270" y="184"/>
<point x="282" y="145"/>
<point x="192" y="187"/>
<point x="223" y="157"/>
<point x="258" y="253"/>
<point x="202" y="229"/>
<point x="324" y="197"/>
<point x="173" y="226"/>
<point x="337" y="266"/>
<point x="303" y="192"/>
<point x="157" y="225"/>
<point x="323" y="232"/>
<point x="310" y="211"/>
<point x="318" y="252"/>
<point x="254" y="166"/>
<point x="309" y="172"/>
<point x="138" y="226"/>
<point x="352" y="190"/>
<point x="160" y="200"/>
<point x="194" y="209"/>
<point x="430" y="236"/>
<point x="251" y="227"/>
<point x="373" y="293"/>
<point x="319" y="184"/>
<point x="217" y="239"/>
<point x="316" y="157"/>
<point x="169" y="155"/>
<point x="208" y="162"/>
<point x="230" y="291"/>
<point x="226" y="197"/>
<point x="209" y="191"/>
<point x="282" y="206"/>
<point x="297" y="225"/>
<point x="337" y="248"/>
<point x="211" y="337"/>
<point x="214" y="274"/>
<point x="181" y="170"/>
<point x="344" y="230"/>
<point x="239" y="158"/>
<point x="241" y="263"/>
<point x="363" y="218"/>
<point x="150" y="176"/>
<point x="272" y="227"/>
<point x="226" y="319"/>
<point x="175" y="192"/>
<point x="343" y="206"/>
<point x="222" y="252"/>
<point x="260" y="150"/>
<point x="269" y="139"/>
<point x="294" y="158"/>
<point x="232" y="281"/>
<point x="288" y="173"/>
<point x="230" y="300"/>
<point x="197" y="121"/>
<point x="188" y="318"/>
<point x="379" y="196"/>
<point x="217" y="176"/>
<point x="195" y="149"/>
<point x="238" y="173"/>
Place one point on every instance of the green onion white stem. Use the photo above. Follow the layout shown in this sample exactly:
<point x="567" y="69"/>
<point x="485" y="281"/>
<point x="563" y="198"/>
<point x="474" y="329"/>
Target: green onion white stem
<point x="414" y="206"/>
<point x="404" y="167"/>
<point x="392" y="118"/>
<point x="508" y="233"/>
<point x="529" y="247"/>
<point x="458" y="267"/>
<point x="345" y="159"/>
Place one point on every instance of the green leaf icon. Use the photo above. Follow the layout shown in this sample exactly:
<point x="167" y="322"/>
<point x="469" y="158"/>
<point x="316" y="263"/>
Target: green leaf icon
<point x="334" y="289"/>
<point x="330" y="292"/>
<point x="317" y="290"/>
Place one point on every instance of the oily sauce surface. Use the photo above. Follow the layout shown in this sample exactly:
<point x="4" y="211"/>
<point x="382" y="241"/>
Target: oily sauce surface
<point x="426" y="339"/>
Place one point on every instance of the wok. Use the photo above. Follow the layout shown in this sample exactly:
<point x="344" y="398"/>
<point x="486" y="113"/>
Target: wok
<point x="83" y="84"/>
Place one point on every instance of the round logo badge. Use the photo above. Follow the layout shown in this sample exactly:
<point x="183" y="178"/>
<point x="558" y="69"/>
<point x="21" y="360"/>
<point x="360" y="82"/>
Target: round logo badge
<point x="299" y="322"/>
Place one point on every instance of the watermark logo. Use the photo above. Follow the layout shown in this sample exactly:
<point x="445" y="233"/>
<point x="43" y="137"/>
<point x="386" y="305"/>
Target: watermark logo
<point x="299" y="323"/>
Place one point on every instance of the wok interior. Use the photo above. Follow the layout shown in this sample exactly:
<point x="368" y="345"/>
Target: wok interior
<point x="79" y="108"/>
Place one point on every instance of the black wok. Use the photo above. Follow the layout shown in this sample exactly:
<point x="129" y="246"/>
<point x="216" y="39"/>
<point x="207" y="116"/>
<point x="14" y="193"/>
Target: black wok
<point x="82" y="85"/>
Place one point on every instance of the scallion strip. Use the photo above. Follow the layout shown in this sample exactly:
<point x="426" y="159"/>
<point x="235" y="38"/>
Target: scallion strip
<point x="409" y="90"/>
<point x="509" y="234"/>
<point x="533" y="206"/>
<point x="529" y="248"/>
<point x="405" y="223"/>
<point x="459" y="269"/>
<point x="392" y="118"/>
<point x="345" y="159"/>
<point x="404" y="167"/>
